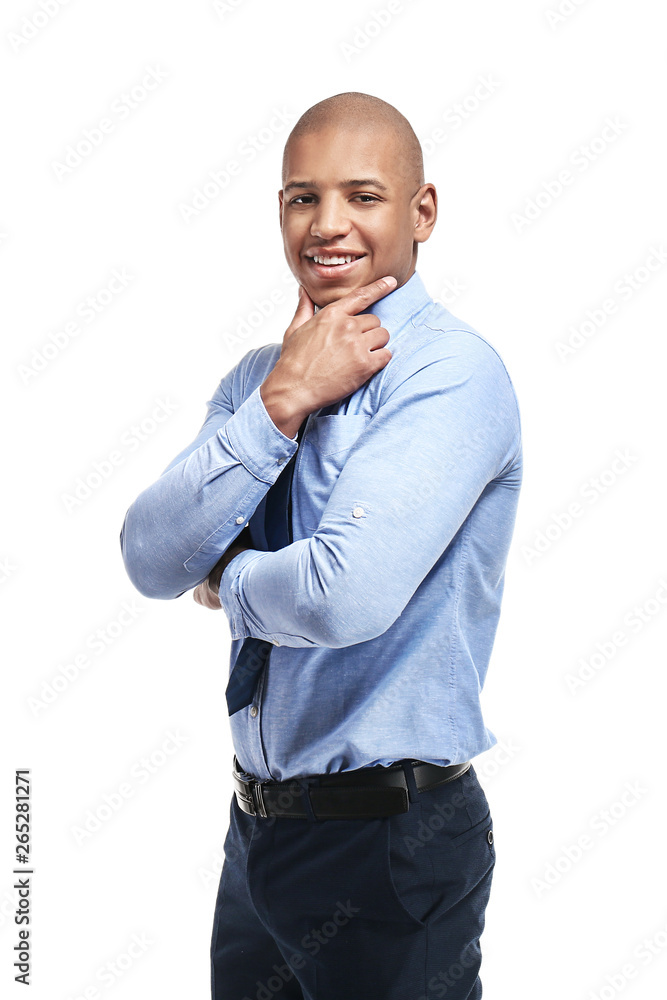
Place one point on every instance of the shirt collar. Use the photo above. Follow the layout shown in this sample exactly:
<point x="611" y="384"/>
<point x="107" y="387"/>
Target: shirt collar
<point x="395" y="309"/>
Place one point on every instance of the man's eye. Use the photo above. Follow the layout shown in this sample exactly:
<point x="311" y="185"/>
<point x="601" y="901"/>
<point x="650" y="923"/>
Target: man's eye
<point x="306" y="199"/>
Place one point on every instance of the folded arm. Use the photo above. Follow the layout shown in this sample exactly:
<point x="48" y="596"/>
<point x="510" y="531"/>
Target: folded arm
<point x="407" y="486"/>
<point x="176" y="529"/>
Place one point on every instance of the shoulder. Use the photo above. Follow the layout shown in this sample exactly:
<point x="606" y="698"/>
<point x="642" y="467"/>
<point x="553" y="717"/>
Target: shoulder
<point x="441" y="345"/>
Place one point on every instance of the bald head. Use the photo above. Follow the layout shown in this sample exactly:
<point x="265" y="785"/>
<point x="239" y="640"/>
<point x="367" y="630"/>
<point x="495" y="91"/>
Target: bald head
<point x="362" y="112"/>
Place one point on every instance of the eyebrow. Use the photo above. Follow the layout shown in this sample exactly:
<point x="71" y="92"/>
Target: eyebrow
<point x="354" y="182"/>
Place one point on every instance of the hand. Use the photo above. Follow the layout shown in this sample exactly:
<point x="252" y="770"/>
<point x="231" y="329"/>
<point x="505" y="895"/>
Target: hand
<point x="326" y="355"/>
<point x="207" y="592"/>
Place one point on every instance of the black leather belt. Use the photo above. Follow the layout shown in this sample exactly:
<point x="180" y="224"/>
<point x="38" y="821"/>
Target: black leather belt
<point x="364" y="793"/>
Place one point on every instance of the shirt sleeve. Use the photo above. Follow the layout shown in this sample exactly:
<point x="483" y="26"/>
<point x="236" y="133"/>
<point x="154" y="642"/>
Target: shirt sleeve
<point x="408" y="484"/>
<point x="175" y="531"/>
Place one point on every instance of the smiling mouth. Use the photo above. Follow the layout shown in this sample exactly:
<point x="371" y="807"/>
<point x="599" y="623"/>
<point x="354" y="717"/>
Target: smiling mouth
<point x="335" y="260"/>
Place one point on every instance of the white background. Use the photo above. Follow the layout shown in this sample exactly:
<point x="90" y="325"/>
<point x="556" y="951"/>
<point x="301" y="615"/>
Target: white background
<point x="555" y="927"/>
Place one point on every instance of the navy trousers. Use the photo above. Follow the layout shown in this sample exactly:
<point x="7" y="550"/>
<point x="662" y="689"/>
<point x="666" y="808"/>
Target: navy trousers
<point x="389" y="908"/>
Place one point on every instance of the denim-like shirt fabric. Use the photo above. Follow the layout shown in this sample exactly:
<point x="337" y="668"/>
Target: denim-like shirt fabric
<point x="384" y="608"/>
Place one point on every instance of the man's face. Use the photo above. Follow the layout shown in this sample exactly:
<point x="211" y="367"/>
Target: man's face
<point x="352" y="197"/>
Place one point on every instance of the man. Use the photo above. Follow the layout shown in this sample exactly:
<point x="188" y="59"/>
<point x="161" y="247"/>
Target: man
<point x="362" y="582"/>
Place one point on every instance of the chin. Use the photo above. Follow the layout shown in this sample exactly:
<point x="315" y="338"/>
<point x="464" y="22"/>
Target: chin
<point x="326" y="298"/>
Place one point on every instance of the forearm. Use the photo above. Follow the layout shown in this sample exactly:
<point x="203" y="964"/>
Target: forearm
<point x="316" y="591"/>
<point x="297" y="596"/>
<point x="176" y="529"/>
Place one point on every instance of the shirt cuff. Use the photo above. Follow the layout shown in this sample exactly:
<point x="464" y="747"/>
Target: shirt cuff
<point x="241" y="622"/>
<point x="256" y="441"/>
<point x="228" y="593"/>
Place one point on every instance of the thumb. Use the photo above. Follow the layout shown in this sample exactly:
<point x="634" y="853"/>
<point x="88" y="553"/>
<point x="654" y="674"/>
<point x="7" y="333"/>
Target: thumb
<point x="305" y="310"/>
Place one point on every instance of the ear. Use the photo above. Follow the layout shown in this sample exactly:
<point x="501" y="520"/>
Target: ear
<point x="426" y="212"/>
<point x="280" y="208"/>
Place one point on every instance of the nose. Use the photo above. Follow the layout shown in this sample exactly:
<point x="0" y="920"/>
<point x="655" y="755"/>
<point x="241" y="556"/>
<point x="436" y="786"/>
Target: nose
<point x="330" y="219"/>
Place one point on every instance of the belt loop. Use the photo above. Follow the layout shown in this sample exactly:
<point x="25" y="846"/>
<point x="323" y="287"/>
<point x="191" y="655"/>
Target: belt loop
<point x="410" y="780"/>
<point x="258" y="799"/>
<point x="305" y="784"/>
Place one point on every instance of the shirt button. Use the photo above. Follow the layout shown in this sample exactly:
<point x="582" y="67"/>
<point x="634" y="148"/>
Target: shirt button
<point x="240" y="520"/>
<point x="254" y="710"/>
<point x="280" y="461"/>
<point x="358" y="512"/>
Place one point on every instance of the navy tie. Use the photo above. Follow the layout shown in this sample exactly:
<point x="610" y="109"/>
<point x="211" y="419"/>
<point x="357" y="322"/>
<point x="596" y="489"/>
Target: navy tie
<point x="254" y="653"/>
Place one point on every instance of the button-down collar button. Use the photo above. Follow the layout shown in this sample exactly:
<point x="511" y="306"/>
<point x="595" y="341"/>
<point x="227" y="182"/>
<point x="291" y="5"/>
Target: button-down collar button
<point x="240" y="520"/>
<point x="253" y="711"/>
<point x="358" y="512"/>
<point x="281" y="461"/>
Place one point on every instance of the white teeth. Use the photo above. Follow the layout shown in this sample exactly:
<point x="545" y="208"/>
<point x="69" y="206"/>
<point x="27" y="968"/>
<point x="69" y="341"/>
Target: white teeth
<point x="335" y="260"/>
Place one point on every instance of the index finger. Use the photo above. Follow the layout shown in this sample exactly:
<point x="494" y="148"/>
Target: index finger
<point x="359" y="298"/>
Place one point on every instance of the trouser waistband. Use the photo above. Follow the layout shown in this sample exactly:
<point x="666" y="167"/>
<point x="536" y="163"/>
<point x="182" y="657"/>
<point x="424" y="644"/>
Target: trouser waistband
<point x="363" y="793"/>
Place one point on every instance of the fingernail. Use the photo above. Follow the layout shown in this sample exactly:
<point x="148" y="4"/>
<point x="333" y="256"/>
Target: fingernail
<point x="390" y="280"/>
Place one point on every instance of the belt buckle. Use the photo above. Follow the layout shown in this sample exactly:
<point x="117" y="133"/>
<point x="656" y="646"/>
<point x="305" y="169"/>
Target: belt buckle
<point x="258" y="799"/>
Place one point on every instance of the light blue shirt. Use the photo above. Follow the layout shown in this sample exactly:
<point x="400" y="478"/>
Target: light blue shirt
<point x="384" y="608"/>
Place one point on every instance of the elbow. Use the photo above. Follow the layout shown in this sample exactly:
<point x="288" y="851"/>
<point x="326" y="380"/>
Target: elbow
<point x="346" y="621"/>
<point x="149" y="587"/>
<point x="149" y="583"/>
<point x="144" y="569"/>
